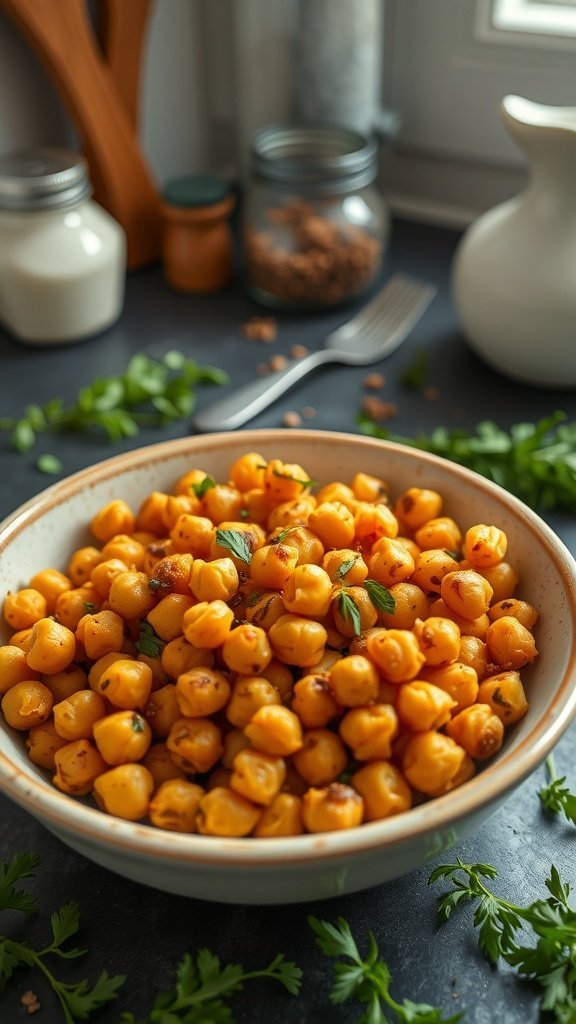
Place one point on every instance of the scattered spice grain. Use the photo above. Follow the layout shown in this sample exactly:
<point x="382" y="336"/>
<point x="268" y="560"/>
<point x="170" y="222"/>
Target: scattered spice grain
<point x="308" y="412"/>
<point x="30" y="1002"/>
<point x="374" y="381"/>
<point x="299" y="351"/>
<point x="278" y="362"/>
<point x="378" y="410"/>
<point x="291" y="419"/>
<point x="260" y="328"/>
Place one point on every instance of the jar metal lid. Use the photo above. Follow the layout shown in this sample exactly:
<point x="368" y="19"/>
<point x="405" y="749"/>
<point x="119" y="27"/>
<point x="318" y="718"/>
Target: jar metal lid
<point x="314" y="157"/>
<point x="42" y="179"/>
<point x="195" y="190"/>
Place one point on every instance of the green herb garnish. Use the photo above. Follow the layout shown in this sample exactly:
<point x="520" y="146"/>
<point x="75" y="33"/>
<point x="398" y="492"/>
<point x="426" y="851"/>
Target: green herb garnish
<point x="550" y="961"/>
<point x="90" y="608"/>
<point x="281" y="537"/>
<point x="78" y="1001"/>
<point x="349" y="611"/>
<point x="368" y="980"/>
<point x="380" y="596"/>
<point x="235" y="542"/>
<point x="295" y="479"/>
<point x="204" y="485"/>
<point x="535" y="461"/>
<point x="416" y="375"/>
<point x="49" y="464"/>
<point x="149" y="643"/>
<point x="343" y="568"/>
<point x="556" y="797"/>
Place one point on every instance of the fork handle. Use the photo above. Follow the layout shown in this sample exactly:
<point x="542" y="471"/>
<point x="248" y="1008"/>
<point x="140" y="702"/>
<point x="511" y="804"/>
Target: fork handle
<point x="239" y="407"/>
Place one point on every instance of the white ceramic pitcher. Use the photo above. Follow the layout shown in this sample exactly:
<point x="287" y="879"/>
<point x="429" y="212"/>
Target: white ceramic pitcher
<point x="514" y="272"/>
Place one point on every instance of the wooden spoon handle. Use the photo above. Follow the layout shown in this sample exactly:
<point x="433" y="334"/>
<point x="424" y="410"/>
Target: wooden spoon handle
<point x="122" y="30"/>
<point x="60" y="33"/>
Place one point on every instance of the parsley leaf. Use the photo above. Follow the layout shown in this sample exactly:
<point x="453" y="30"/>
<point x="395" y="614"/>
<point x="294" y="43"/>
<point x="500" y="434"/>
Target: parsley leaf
<point x="288" y="476"/>
<point x="22" y="865"/>
<point x="235" y="542"/>
<point x="349" y="610"/>
<point x="49" y="464"/>
<point x="344" y="567"/>
<point x="556" y="797"/>
<point x="206" y="484"/>
<point x="380" y="597"/>
<point x="148" y="642"/>
<point x="416" y="375"/>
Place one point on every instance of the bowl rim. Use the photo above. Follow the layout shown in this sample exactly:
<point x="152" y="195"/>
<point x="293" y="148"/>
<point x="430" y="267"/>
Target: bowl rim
<point x="63" y="813"/>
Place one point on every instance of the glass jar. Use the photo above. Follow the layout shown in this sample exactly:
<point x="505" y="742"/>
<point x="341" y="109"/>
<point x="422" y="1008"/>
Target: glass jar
<point x="315" y="227"/>
<point x="62" y="257"/>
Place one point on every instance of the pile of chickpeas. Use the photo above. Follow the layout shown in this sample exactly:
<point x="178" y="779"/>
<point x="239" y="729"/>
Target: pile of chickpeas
<point x="217" y="662"/>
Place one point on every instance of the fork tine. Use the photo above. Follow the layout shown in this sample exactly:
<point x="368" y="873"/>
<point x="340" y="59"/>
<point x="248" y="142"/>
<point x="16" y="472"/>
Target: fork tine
<point x="405" y="312"/>
<point x="398" y="294"/>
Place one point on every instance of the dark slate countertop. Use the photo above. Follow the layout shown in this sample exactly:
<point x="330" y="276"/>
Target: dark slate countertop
<point x="142" y="933"/>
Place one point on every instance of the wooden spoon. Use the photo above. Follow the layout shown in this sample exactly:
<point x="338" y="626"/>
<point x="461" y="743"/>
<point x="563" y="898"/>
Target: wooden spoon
<point x="61" y="34"/>
<point x="122" y="30"/>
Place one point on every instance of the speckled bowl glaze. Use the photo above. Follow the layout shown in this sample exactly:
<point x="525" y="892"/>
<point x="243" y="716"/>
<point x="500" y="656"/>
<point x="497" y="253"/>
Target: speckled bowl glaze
<point x="43" y="532"/>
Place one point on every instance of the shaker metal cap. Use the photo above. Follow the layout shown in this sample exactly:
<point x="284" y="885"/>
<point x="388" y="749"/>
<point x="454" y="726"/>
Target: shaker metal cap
<point x="42" y="179"/>
<point x="314" y="156"/>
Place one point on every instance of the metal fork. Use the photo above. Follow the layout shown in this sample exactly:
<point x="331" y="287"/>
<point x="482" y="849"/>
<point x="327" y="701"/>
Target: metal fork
<point x="374" y="333"/>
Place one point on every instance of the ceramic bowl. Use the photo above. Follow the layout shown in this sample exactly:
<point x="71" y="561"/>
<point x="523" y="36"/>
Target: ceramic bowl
<point x="44" y="531"/>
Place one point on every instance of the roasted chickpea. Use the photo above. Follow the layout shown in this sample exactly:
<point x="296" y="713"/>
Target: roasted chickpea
<point x="252" y="534"/>
<point x="162" y="710"/>
<point x="127" y="549"/>
<point x="337" y="491"/>
<point x="13" y="667"/>
<point x="313" y="701"/>
<point x="505" y="696"/>
<point x="291" y="513"/>
<point x="297" y="641"/>
<point x="284" y="481"/>
<point x="23" y="608"/>
<point x="122" y="737"/>
<point x="343" y="620"/>
<point x="332" y="808"/>
<point x="431" y="761"/>
<point x="179" y="505"/>
<point x="525" y="613"/>
<point x="485" y="546"/>
<point x="207" y="624"/>
<point x="168" y="616"/>
<point x="74" y="604"/>
<point x="281" y="677"/>
<point x="466" y="771"/>
<point x="272" y="565"/>
<point x="354" y="681"/>
<point x="466" y="593"/>
<point x="410" y="604"/>
<point x="439" y="640"/>
<point x="422" y="706"/>
<point x="175" y="804"/>
<point x="510" y="644"/>
<point x="100" y="634"/>
<point x="369" y="732"/>
<point x="192" y="534"/>
<point x="126" y="683"/>
<point x="78" y="765"/>
<point x="102" y="575"/>
<point x="383" y="789"/>
<point x="178" y="656"/>
<point x="52" y="647"/>
<point x="158" y="761"/>
<point x="474" y="652"/>
<point x="369" y="488"/>
<point x="125" y="791"/>
<point x="246" y="650"/>
<point x="346" y="566"/>
<point x="150" y="513"/>
<point x="195" y="743"/>
<point x="216" y="580"/>
<point x="468" y="627"/>
<point x="130" y="594"/>
<point x="322" y="757"/>
<point x="502" y="578"/>
<point x="309" y="547"/>
<point x="478" y="730"/>
<point x="75" y="716"/>
<point x="222" y="502"/>
<point x="27" y="704"/>
<point x="63" y="684"/>
<point x="417" y="506"/>
<point x="115" y="517"/>
<point x="201" y="692"/>
<point x="222" y="812"/>
<point x="248" y="471"/>
<point x="430" y="567"/>
<point x="275" y="730"/>
<point x="82" y="563"/>
<point x="442" y="532"/>
<point x="282" y="817"/>
<point x="333" y="523"/>
<point x="390" y="562"/>
<point x="248" y="694"/>
<point x="396" y="654"/>
<point x="263" y="608"/>
<point x="256" y="506"/>
<point x="371" y="522"/>
<point x="155" y="551"/>
<point x="458" y="680"/>
<point x="190" y="481"/>
<point x="42" y="743"/>
<point x="50" y="583"/>
<point x="257" y="776"/>
<point x="308" y="591"/>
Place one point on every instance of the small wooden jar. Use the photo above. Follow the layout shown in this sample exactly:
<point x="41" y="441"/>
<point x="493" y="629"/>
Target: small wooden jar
<point x="197" y="242"/>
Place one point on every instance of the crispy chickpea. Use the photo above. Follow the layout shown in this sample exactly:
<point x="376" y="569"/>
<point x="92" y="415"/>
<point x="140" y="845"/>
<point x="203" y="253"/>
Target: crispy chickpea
<point x="252" y="534"/>
<point x="63" y="684"/>
<point x="207" y="624"/>
<point x="439" y="639"/>
<point x="422" y="706"/>
<point x="510" y="644"/>
<point x="308" y="591"/>
<point x="502" y="578"/>
<point x="272" y="565"/>
<point x="275" y="730"/>
<point x="474" y="652"/>
<point x="246" y="650"/>
<point x="485" y="546"/>
<point x="263" y="608"/>
<point x="466" y="771"/>
<point x="122" y="737"/>
<point x="257" y="776"/>
<point x="332" y="808"/>
<point x="369" y="488"/>
<point x="102" y="575"/>
<point x="313" y="701"/>
<point x="466" y="593"/>
<point x="52" y="647"/>
<point x="248" y="694"/>
<point x="26" y="704"/>
<point x="130" y="595"/>
<point x="162" y="710"/>
<point x="337" y="491"/>
<point x="291" y="513"/>
<point x="167" y="617"/>
<point x="50" y="583"/>
<point x="328" y="659"/>
<point x="100" y="634"/>
<point x="233" y="742"/>
<point x="125" y="791"/>
<point x="75" y="716"/>
<point x="154" y="552"/>
<point x="309" y="547"/>
<point x="369" y="732"/>
<point x="390" y="562"/>
<point x="468" y="627"/>
<point x="396" y="654"/>
<point x="222" y="812"/>
<point x="256" y="506"/>
<point x="458" y="680"/>
<point x="179" y="505"/>
<point x="417" y="506"/>
<point x="189" y="481"/>
<point x="154" y="663"/>
<point x="115" y="517"/>
<point x="505" y="696"/>
<point x="284" y="481"/>
<point x="410" y="546"/>
<point x="158" y="761"/>
<point x="126" y="684"/>
<point x="344" y="565"/>
<point x="78" y="765"/>
<point x="431" y="760"/>
<point x="478" y="730"/>
<point x="383" y="789"/>
<point x="216" y="580"/>
<point x="410" y="604"/>
<point x="179" y="656"/>
<point x="222" y="502"/>
<point x="248" y="471"/>
<point x="42" y="742"/>
<point x="127" y="549"/>
<point x="23" y="608"/>
<point x="201" y="692"/>
<point x="281" y="677"/>
<point x="13" y="667"/>
<point x="354" y="681"/>
<point x="430" y="567"/>
<point x="322" y="758"/>
<point x="372" y="522"/>
<point x="282" y="817"/>
<point x="171" y="574"/>
<point x="343" y="621"/>
<point x="192" y="534"/>
<point x="174" y="805"/>
<point x="333" y="523"/>
<point x="195" y="743"/>
<point x="150" y="513"/>
<point x="442" y="532"/>
<point x="525" y="613"/>
<point x="101" y="665"/>
<point x="72" y="605"/>
<point x="21" y="639"/>
<point x="81" y="564"/>
<point x="297" y="641"/>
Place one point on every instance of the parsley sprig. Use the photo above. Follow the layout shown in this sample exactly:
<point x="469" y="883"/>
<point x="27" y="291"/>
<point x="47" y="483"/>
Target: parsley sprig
<point x="556" y="797"/>
<point x="148" y="642"/>
<point x="368" y="980"/>
<point x="235" y="542"/>
<point x="203" y="984"/>
<point x="379" y="596"/>
<point x="78" y="1001"/>
<point x="150" y="392"/>
<point x="535" y="461"/>
<point x="551" y="961"/>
